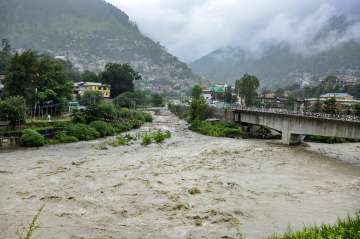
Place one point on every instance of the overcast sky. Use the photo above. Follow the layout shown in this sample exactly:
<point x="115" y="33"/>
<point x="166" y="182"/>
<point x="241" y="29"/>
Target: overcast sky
<point x="190" y="29"/>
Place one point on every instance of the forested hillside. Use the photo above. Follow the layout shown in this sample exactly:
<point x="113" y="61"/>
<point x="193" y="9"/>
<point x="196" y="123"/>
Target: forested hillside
<point x="90" y="33"/>
<point x="280" y="65"/>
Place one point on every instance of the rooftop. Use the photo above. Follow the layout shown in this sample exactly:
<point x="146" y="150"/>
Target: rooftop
<point x="336" y="95"/>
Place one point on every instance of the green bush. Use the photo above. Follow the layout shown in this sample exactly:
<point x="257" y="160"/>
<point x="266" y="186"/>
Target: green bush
<point x="216" y="129"/>
<point x="147" y="139"/>
<point x="78" y="117"/>
<point x="62" y="138"/>
<point x="31" y="138"/>
<point x="13" y="109"/>
<point x="103" y="128"/>
<point x="82" y="132"/>
<point x="103" y="111"/>
<point x="160" y="137"/>
<point x="344" y="229"/>
<point x="328" y="140"/>
<point x="120" y="141"/>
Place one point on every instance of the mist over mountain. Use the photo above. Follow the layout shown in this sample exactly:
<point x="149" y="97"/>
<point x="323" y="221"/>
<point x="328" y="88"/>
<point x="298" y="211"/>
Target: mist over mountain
<point x="90" y="33"/>
<point x="333" y="47"/>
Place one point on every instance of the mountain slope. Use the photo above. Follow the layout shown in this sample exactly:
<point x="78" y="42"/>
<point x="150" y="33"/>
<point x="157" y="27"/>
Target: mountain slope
<point x="279" y="63"/>
<point x="90" y="33"/>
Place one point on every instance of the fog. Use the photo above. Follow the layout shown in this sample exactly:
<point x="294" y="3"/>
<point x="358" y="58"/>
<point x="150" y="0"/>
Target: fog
<point x="191" y="29"/>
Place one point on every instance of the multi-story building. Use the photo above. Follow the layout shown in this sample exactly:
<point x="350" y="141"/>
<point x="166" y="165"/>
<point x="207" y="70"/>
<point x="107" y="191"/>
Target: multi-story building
<point x="82" y="87"/>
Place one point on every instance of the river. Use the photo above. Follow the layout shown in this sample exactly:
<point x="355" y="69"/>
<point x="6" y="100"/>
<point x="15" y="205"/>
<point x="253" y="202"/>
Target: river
<point x="243" y="187"/>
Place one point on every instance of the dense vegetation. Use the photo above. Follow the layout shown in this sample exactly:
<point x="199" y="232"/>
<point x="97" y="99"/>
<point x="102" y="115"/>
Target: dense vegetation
<point x="348" y="228"/>
<point x="216" y="129"/>
<point x="197" y="115"/>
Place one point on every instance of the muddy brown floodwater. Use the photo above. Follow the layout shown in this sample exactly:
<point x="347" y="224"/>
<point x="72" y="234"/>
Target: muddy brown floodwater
<point x="250" y="187"/>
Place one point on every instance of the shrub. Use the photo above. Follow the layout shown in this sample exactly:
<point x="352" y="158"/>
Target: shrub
<point x="147" y="139"/>
<point x="160" y="137"/>
<point x="78" y="117"/>
<point x="82" y="132"/>
<point x="216" y="129"/>
<point x="13" y="109"/>
<point x="61" y="137"/>
<point x="120" y="141"/>
<point x="31" y="138"/>
<point x="103" y="111"/>
<point x="103" y="128"/>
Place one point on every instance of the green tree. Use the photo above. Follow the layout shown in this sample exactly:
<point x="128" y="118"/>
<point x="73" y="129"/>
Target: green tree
<point x="317" y="107"/>
<point x="13" y="109"/>
<point x="91" y="98"/>
<point x="196" y="92"/>
<point x="356" y="109"/>
<point x="228" y="95"/>
<point x="330" y="106"/>
<point x="89" y="76"/>
<point x="157" y="100"/>
<point x="4" y="61"/>
<point x="121" y="77"/>
<point x="130" y="99"/>
<point x="22" y="74"/>
<point x="39" y="80"/>
<point x="198" y="108"/>
<point x="247" y="88"/>
<point x="290" y="102"/>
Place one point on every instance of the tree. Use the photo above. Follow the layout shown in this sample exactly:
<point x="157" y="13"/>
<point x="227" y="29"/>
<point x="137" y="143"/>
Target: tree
<point x="198" y="107"/>
<point x="290" y="102"/>
<point x="317" y="107"/>
<point x="91" y="98"/>
<point x="6" y="45"/>
<point x="196" y="92"/>
<point x="4" y="61"/>
<point x="121" y="77"/>
<point x="356" y="109"/>
<point x="41" y="81"/>
<point x="89" y="76"/>
<point x="228" y="95"/>
<point x="130" y="99"/>
<point x="13" y="109"/>
<point x="157" y="100"/>
<point x="22" y="74"/>
<point x="330" y="106"/>
<point x="247" y="88"/>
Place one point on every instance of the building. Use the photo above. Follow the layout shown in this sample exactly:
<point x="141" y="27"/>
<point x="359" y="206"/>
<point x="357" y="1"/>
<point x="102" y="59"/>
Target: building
<point x="208" y="95"/>
<point x="218" y="92"/>
<point x="343" y="100"/>
<point x="337" y="96"/>
<point x="82" y="87"/>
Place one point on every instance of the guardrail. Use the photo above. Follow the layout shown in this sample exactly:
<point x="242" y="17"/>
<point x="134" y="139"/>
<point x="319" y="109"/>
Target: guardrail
<point x="341" y="117"/>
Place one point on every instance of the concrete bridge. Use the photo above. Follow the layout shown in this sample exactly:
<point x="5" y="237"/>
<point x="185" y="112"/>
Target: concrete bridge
<point x="294" y="126"/>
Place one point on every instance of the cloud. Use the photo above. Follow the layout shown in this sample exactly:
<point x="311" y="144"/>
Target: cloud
<point x="192" y="28"/>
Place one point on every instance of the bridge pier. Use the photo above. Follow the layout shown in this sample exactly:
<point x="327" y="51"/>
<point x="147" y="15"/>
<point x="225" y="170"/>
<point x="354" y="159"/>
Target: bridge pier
<point x="291" y="139"/>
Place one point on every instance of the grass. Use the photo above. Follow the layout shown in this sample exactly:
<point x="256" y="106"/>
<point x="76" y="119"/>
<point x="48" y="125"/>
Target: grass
<point x="27" y="233"/>
<point x="348" y="228"/>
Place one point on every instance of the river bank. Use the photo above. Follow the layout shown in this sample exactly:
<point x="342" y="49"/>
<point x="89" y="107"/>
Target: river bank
<point x="252" y="187"/>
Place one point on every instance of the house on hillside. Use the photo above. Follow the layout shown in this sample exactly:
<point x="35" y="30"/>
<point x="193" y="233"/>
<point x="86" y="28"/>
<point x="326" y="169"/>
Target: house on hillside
<point x="82" y="87"/>
<point x="344" y="100"/>
<point x="337" y="96"/>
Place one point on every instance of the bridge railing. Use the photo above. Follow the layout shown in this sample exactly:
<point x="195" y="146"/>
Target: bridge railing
<point x="341" y="117"/>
